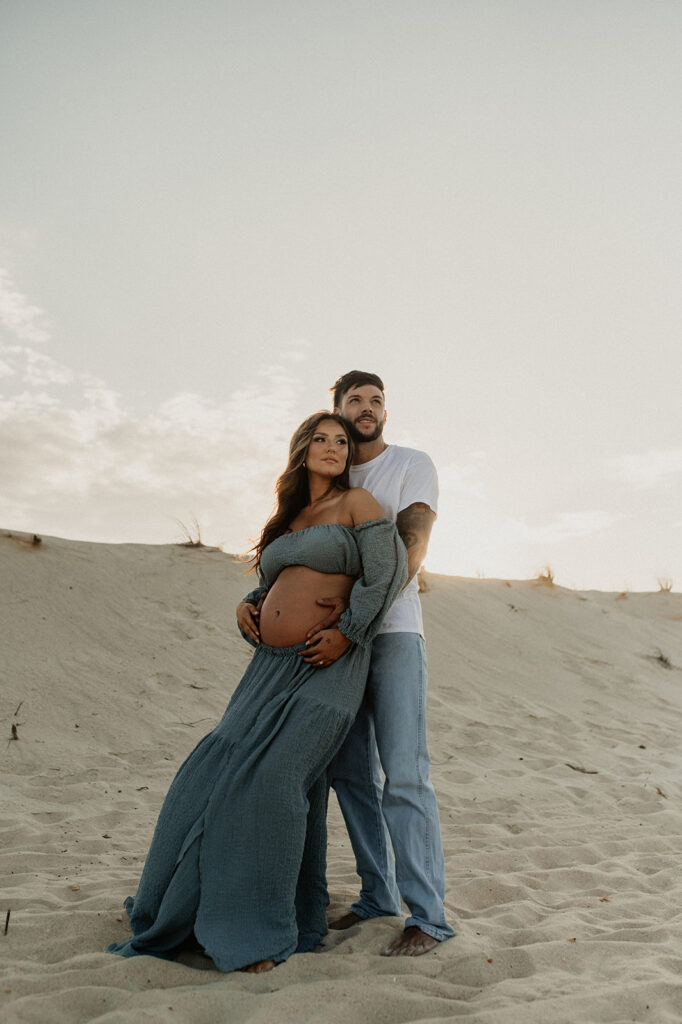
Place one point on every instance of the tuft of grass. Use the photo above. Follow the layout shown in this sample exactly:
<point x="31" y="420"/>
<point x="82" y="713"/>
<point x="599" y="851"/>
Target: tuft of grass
<point x="191" y="534"/>
<point x="665" y="585"/>
<point x="546" y="576"/>
<point x="34" y="541"/>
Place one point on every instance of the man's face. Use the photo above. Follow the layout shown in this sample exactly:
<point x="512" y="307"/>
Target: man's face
<point x="363" y="409"/>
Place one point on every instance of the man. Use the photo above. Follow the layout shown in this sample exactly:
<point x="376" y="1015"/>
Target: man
<point x="393" y="825"/>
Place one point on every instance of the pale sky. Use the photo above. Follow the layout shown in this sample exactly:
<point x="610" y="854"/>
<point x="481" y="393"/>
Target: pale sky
<point x="210" y="210"/>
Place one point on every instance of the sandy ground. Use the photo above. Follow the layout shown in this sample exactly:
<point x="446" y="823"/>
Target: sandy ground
<point x="555" y="721"/>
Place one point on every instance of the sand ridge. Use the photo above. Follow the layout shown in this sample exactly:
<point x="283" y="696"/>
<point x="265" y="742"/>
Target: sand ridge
<point x="554" y="725"/>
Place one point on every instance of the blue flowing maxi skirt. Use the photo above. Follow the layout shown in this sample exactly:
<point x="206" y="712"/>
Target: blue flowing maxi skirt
<point x="239" y="852"/>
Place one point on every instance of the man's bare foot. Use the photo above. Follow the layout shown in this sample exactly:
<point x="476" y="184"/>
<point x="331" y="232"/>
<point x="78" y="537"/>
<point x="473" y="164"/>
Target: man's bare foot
<point x="412" y="942"/>
<point x="347" y="920"/>
<point x="259" y="967"/>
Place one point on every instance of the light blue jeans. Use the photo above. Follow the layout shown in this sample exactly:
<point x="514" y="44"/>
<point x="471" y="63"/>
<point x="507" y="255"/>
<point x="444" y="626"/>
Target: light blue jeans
<point x="381" y="778"/>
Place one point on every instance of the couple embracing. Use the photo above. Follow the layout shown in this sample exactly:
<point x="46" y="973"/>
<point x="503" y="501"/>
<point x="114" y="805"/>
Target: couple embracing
<point x="237" y="865"/>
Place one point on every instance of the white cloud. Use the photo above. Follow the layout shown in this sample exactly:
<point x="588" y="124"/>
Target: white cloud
<point x="42" y="370"/>
<point x="110" y="473"/>
<point x="649" y="469"/>
<point x="75" y="460"/>
<point x="24" y="321"/>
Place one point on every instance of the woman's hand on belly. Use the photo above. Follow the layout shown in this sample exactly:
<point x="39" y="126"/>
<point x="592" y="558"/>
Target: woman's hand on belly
<point x="325" y="647"/>
<point x="247" y="619"/>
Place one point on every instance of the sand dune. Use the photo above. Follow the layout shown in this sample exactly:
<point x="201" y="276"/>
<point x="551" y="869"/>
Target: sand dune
<point x="555" y="721"/>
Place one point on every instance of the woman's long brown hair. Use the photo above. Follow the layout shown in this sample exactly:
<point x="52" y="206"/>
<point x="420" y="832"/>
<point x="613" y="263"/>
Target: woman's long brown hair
<point x="291" y="490"/>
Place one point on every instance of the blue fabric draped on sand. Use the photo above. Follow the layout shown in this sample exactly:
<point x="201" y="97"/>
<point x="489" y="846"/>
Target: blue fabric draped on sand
<point x="239" y="852"/>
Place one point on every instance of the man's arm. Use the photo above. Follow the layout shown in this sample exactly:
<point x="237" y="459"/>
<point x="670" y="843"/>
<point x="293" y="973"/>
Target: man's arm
<point x="338" y="606"/>
<point x="414" y="526"/>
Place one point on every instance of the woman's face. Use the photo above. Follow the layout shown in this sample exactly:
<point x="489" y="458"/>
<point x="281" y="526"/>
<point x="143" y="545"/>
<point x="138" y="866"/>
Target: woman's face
<point x="328" y="449"/>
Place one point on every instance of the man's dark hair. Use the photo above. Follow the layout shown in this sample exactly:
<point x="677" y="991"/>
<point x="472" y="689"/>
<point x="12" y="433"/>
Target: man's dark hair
<point x="354" y="379"/>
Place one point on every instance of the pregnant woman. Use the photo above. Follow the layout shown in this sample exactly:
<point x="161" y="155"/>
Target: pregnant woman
<point x="237" y="862"/>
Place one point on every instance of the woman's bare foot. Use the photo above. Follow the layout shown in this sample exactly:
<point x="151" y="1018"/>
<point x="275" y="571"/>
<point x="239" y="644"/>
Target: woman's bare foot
<point x="412" y="942"/>
<point x="259" y="967"/>
<point x="347" y="920"/>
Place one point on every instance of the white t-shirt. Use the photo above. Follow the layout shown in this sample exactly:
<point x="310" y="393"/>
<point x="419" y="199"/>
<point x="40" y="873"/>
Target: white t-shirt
<point x="397" y="479"/>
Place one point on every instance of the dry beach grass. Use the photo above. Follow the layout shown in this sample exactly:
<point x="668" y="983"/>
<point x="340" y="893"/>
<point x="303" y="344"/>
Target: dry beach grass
<point x="554" y="728"/>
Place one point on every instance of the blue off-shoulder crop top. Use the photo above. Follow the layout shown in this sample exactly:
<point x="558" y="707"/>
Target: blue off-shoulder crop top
<point x="371" y="551"/>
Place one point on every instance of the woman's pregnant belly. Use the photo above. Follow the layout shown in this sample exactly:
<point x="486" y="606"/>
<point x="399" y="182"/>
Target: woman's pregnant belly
<point x="289" y="610"/>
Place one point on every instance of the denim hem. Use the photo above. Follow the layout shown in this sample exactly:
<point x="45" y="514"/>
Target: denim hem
<point x="369" y="915"/>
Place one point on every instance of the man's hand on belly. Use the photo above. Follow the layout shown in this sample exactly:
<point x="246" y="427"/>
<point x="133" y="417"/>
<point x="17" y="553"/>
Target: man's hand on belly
<point x="338" y="606"/>
<point x="325" y="647"/>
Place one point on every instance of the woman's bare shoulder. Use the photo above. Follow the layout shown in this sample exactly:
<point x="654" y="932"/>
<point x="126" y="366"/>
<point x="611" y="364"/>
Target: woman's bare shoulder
<point x="362" y="506"/>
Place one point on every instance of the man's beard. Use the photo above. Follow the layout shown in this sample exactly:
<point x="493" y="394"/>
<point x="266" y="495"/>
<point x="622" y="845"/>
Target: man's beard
<point x="358" y="438"/>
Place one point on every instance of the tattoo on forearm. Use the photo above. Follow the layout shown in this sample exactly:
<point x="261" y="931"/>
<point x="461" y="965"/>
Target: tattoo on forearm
<point x="414" y="524"/>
